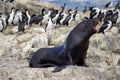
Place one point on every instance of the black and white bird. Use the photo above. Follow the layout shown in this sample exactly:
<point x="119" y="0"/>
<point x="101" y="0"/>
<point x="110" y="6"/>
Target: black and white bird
<point x="85" y="18"/>
<point x="10" y="18"/>
<point x="101" y="15"/>
<point x="21" y="25"/>
<point x="46" y="17"/>
<point x="17" y="17"/>
<point x="85" y="9"/>
<point x="69" y="18"/>
<point x="108" y="5"/>
<point x="49" y="25"/>
<point x="7" y="0"/>
<point x="53" y="12"/>
<point x="117" y="6"/>
<point x="115" y="17"/>
<point x="23" y="22"/>
<point x="112" y="16"/>
<point x="108" y="15"/>
<point x="91" y="8"/>
<point x="4" y="20"/>
<point x="36" y="19"/>
<point x="76" y="15"/>
<point x="28" y="16"/>
<point x="105" y="27"/>
<point x="54" y="19"/>
<point x="62" y="15"/>
<point x="118" y="20"/>
<point x="48" y="28"/>
<point x="94" y="12"/>
<point x="1" y="23"/>
<point x="64" y="7"/>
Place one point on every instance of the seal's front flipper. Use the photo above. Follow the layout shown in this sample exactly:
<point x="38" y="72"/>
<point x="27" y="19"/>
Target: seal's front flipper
<point x="57" y="69"/>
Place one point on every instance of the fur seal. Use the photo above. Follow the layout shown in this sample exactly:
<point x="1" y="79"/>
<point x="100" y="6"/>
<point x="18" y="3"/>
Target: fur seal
<point x="73" y="52"/>
<point x="77" y="42"/>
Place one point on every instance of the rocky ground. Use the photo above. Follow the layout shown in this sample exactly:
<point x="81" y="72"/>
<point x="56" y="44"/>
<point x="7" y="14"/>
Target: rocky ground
<point x="103" y="55"/>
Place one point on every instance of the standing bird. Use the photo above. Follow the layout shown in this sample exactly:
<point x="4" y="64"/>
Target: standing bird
<point x="4" y="20"/>
<point x="36" y="19"/>
<point x="48" y="29"/>
<point x="28" y="16"/>
<point x="54" y="19"/>
<point x="69" y="18"/>
<point x="49" y="25"/>
<point x="1" y="23"/>
<point x="91" y="8"/>
<point x="105" y="27"/>
<point x="46" y="17"/>
<point x="53" y="12"/>
<point x="64" y="7"/>
<point x="112" y="16"/>
<point x="21" y="26"/>
<point x="108" y="15"/>
<point x="10" y="18"/>
<point x="101" y="15"/>
<point x="85" y="9"/>
<point x="118" y="20"/>
<point x="109" y="4"/>
<point x="18" y="17"/>
<point x="62" y="15"/>
<point x="94" y="13"/>
<point x="7" y="0"/>
<point x="76" y="15"/>
<point x="117" y="6"/>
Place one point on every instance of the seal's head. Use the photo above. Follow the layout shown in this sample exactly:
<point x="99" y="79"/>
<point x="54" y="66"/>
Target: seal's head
<point x="91" y="25"/>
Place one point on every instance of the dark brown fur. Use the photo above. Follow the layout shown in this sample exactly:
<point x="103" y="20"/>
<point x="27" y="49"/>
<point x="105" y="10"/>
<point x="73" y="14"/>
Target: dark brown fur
<point x="73" y="52"/>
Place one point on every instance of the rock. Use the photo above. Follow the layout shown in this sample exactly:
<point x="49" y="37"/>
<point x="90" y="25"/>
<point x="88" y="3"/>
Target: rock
<point x="22" y="2"/>
<point x="14" y="30"/>
<point x="40" y="40"/>
<point x="114" y="30"/>
<point x="118" y="26"/>
<point x="12" y="51"/>
<point x="2" y="52"/>
<point x="113" y="74"/>
<point x="6" y="42"/>
<point x="36" y="6"/>
<point x="101" y="48"/>
<point x="24" y="54"/>
<point x="2" y="6"/>
<point x="60" y="35"/>
<point x="24" y="37"/>
<point x="118" y="62"/>
<point x="10" y="66"/>
<point x="69" y="73"/>
<point x="35" y="29"/>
